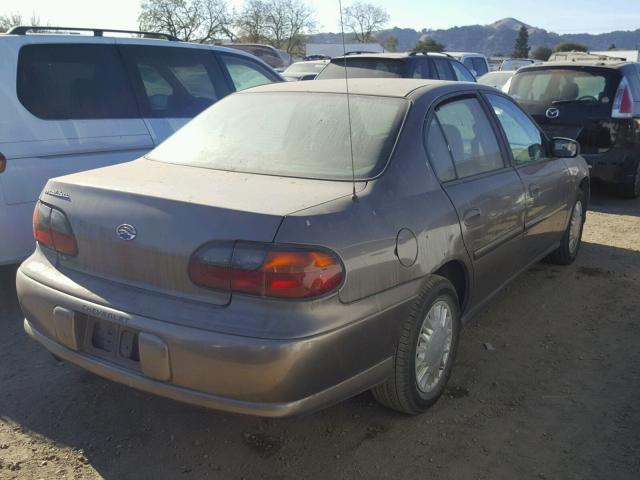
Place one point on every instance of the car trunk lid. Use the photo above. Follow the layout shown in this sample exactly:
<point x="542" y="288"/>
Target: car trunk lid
<point x="139" y="223"/>
<point x="573" y="102"/>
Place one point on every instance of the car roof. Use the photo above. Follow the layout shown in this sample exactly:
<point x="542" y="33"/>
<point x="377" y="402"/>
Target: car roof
<point x="384" y="87"/>
<point x="25" y="39"/>
<point x="392" y="55"/>
<point x="614" y="64"/>
<point x="467" y="54"/>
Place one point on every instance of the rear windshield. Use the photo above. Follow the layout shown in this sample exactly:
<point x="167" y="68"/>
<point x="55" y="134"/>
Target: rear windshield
<point x="559" y="85"/>
<point x="289" y="134"/>
<point x="364" y="68"/>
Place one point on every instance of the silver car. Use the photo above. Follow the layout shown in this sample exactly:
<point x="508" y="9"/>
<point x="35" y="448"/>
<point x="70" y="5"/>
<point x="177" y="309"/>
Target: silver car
<point x="260" y="262"/>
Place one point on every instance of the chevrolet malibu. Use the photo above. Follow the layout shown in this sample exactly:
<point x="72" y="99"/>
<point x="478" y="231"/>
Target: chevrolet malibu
<point x="294" y="245"/>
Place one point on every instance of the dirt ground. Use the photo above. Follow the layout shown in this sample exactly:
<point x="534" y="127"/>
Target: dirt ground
<point x="546" y="386"/>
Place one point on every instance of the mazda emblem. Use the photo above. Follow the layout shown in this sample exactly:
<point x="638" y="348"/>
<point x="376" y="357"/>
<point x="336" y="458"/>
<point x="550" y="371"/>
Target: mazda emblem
<point x="552" y="113"/>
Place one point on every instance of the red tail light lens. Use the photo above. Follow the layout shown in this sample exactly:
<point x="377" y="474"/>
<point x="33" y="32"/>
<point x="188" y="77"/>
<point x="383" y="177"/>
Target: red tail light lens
<point x="3" y="162"/>
<point x="51" y="228"/>
<point x="623" y="103"/>
<point x="266" y="270"/>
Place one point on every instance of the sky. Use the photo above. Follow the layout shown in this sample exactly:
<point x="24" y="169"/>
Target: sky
<point x="560" y="16"/>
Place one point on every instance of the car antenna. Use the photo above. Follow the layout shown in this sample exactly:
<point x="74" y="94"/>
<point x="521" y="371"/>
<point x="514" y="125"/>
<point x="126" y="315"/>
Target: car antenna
<point x="354" y="196"/>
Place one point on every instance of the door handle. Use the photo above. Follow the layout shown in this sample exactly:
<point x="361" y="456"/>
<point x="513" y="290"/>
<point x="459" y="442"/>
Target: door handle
<point x="471" y="216"/>
<point x="534" y="190"/>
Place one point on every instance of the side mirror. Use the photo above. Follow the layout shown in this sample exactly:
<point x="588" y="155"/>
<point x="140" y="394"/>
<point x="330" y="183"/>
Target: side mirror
<point x="564" y="148"/>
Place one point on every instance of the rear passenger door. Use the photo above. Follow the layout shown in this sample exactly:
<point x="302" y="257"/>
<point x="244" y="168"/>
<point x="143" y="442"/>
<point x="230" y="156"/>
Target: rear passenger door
<point x="485" y="190"/>
<point x="173" y="84"/>
<point x="547" y="182"/>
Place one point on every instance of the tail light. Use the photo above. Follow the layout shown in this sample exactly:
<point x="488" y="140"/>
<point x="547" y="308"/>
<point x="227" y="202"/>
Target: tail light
<point x="51" y="229"/>
<point x="623" y="103"/>
<point x="266" y="270"/>
<point x="3" y="162"/>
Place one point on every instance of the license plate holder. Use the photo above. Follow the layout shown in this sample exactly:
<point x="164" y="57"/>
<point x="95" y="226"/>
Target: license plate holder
<point x="111" y="341"/>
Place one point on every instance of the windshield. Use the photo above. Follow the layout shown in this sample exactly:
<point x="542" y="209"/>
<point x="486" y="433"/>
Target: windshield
<point x="546" y="87"/>
<point x="290" y="134"/>
<point x="364" y="68"/>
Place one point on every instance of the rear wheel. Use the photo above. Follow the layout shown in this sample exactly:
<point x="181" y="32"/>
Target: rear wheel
<point x="425" y="352"/>
<point x="572" y="238"/>
<point x="632" y="189"/>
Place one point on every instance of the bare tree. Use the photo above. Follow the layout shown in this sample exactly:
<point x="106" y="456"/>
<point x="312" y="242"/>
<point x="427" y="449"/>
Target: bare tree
<point x="280" y="23"/>
<point x="15" y="19"/>
<point x="9" y="21"/>
<point x="363" y="19"/>
<point x="189" y="20"/>
<point x="252" y="21"/>
<point x="287" y="20"/>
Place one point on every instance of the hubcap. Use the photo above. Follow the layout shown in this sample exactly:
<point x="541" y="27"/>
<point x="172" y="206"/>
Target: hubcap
<point x="576" y="226"/>
<point x="434" y="346"/>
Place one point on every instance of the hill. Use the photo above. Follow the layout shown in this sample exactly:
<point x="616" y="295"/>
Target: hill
<point x="496" y="38"/>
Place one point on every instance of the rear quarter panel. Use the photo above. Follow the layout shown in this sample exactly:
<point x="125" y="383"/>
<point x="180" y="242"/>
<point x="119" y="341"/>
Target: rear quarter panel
<point x="364" y="232"/>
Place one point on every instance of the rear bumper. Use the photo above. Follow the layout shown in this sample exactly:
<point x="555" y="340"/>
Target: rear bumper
<point x="264" y="377"/>
<point x="615" y="166"/>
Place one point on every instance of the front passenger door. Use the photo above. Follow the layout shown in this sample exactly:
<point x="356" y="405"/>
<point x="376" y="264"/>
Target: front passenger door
<point x="546" y="180"/>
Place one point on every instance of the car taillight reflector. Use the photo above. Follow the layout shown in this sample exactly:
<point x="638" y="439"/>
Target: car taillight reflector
<point x="3" y="163"/>
<point x="623" y="103"/>
<point x="266" y="270"/>
<point x="51" y="229"/>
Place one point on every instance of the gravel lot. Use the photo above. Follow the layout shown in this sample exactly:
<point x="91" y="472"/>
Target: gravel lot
<point x="546" y="386"/>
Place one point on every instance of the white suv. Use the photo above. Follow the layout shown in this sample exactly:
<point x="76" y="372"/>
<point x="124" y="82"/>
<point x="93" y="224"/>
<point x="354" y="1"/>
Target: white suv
<point x="76" y="102"/>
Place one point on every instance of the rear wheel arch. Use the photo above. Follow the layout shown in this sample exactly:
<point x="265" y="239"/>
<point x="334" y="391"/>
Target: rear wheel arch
<point x="457" y="273"/>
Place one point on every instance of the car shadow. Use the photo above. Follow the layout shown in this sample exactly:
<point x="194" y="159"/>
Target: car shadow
<point x="606" y="199"/>
<point x="125" y="433"/>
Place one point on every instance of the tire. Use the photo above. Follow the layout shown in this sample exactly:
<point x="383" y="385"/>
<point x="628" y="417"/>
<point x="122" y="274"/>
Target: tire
<point x="401" y="390"/>
<point x="568" y="251"/>
<point x="632" y="190"/>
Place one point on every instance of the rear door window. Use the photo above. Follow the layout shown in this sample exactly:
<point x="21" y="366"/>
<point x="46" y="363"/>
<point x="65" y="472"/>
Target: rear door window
<point x="479" y="65"/>
<point x="174" y="82"/>
<point x="422" y="69"/>
<point x="245" y="73"/>
<point x="470" y="137"/>
<point x="438" y="152"/>
<point x="443" y="67"/>
<point x="462" y="74"/>
<point x="74" y="82"/>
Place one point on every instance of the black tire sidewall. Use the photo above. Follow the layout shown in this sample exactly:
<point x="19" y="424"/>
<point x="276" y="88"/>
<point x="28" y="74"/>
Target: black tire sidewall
<point x="573" y="255"/>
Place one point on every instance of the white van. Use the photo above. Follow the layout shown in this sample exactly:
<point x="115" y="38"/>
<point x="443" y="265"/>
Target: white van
<point x="76" y="102"/>
<point x="476" y="62"/>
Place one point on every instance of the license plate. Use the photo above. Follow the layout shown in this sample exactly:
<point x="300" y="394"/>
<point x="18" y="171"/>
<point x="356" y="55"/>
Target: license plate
<point x="112" y="340"/>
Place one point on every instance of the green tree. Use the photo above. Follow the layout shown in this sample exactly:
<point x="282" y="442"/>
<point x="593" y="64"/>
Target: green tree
<point x="612" y="47"/>
<point x="428" y="45"/>
<point x="570" y="47"/>
<point x="521" y="47"/>
<point x="391" y="44"/>
<point x="541" y="53"/>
